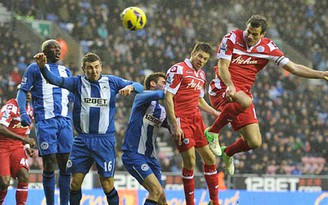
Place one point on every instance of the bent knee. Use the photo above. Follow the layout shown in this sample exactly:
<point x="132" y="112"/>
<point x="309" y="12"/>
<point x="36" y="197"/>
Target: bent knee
<point x="4" y="183"/>
<point x="255" y="144"/>
<point x="243" y="99"/>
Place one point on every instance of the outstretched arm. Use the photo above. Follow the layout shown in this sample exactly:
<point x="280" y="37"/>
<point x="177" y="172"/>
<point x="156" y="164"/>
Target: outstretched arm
<point x="41" y="60"/>
<point x="132" y="87"/>
<point x="305" y="72"/>
<point x="9" y="134"/>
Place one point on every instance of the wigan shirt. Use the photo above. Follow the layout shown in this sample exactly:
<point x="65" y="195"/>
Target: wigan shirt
<point x="94" y="102"/>
<point x="187" y="85"/>
<point x="10" y="118"/>
<point x="147" y="117"/>
<point x="246" y="62"/>
<point x="48" y="100"/>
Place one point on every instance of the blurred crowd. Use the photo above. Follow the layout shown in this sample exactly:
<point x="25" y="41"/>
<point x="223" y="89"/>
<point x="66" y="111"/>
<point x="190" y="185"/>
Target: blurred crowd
<point x="293" y="113"/>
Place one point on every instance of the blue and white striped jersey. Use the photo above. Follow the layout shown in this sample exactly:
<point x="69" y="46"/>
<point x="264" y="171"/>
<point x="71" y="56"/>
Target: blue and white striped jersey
<point x="94" y="103"/>
<point x="48" y="100"/>
<point x="146" y="118"/>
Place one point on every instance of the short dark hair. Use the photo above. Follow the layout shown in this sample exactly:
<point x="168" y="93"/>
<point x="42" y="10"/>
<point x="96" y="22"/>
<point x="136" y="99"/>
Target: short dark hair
<point x="203" y="46"/>
<point x="153" y="77"/>
<point x="257" y="21"/>
<point x="90" y="57"/>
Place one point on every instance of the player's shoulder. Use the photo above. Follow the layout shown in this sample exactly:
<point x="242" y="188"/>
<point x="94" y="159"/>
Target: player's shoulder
<point x="11" y="105"/>
<point x="12" y="102"/>
<point x="234" y="33"/>
<point x="33" y="67"/>
<point x="267" y="45"/>
<point x="177" y="68"/>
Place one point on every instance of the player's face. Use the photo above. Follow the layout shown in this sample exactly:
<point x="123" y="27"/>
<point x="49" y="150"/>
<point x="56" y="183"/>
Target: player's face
<point x="52" y="51"/>
<point x="92" y="70"/>
<point x="160" y="83"/>
<point x="199" y="59"/>
<point x="253" y="35"/>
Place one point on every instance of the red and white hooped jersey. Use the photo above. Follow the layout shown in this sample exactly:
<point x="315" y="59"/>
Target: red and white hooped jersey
<point x="245" y="61"/>
<point x="187" y="84"/>
<point x="10" y="117"/>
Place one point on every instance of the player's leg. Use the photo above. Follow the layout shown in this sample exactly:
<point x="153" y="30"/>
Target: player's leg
<point x="210" y="173"/>
<point x="4" y="173"/>
<point x="107" y="183"/>
<point x="231" y="110"/>
<point x="64" y="148"/>
<point x="63" y="178"/>
<point x="250" y="139"/>
<point x="75" y="188"/>
<point x="22" y="186"/>
<point x="147" y="172"/>
<point x="48" y="177"/>
<point x="103" y="149"/>
<point x="47" y="144"/>
<point x="154" y="188"/>
<point x="79" y="164"/>
<point x="4" y="184"/>
<point x="19" y="169"/>
<point x="189" y="161"/>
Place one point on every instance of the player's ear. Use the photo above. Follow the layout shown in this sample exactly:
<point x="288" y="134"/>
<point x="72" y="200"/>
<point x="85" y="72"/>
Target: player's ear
<point x="152" y="83"/>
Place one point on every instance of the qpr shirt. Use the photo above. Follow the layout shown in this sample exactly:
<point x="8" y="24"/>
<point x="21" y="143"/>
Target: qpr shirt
<point x="246" y="62"/>
<point x="147" y="117"/>
<point x="10" y="118"/>
<point x="187" y="85"/>
<point x="48" y="100"/>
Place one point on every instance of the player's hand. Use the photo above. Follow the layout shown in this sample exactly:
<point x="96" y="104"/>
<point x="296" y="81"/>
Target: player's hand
<point x="177" y="134"/>
<point x="40" y="59"/>
<point x="230" y="92"/>
<point x="126" y="90"/>
<point x="325" y="75"/>
<point x="25" y="119"/>
<point x="31" y="152"/>
<point x="30" y="141"/>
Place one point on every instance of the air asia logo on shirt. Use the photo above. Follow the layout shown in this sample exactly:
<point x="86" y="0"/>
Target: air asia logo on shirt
<point x="239" y="60"/>
<point x="194" y="85"/>
<point x="153" y="120"/>
<point x="96" y="102"/>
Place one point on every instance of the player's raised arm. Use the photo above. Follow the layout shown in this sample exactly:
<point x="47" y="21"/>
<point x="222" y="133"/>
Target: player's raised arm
<point x="304" y="71"/>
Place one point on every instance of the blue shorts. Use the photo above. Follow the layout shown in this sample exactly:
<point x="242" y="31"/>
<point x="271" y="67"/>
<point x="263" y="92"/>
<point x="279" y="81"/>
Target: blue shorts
<point x="141" y="166"/>
<point x="54" y="135"/>
<point x="90" y="148"/>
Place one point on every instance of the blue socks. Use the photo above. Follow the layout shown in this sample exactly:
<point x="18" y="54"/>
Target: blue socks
<point x="75" y="197"/>
<point x="150" y="202"/>
<point x="112" y="197"/>
<point x="48" y="181"/>
<point x="63" y="184"/>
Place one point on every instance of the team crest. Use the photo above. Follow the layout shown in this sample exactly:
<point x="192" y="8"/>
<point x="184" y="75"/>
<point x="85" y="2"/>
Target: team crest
<point x="69" y="163"/>
<point x="186" y="141"/>
<point x="144" y="167"/>
<point x="260" y="49"/>
<point x="44" y="145"/>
